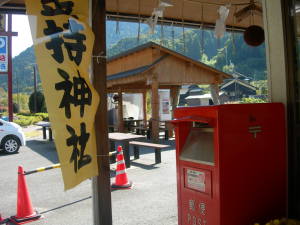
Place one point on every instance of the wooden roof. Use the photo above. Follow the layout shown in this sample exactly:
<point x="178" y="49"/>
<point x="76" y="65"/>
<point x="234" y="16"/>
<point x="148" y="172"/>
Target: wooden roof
<point x="187" y="11"/>
<point x="134" y="69"/>
<point x="239" y="82"/>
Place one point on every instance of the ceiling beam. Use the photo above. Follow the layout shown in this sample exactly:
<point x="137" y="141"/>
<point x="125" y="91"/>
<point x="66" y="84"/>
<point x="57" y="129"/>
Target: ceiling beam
<point x="2" y="2"/>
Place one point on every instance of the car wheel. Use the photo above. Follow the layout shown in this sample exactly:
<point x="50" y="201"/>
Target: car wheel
<point x="11" y="144"/>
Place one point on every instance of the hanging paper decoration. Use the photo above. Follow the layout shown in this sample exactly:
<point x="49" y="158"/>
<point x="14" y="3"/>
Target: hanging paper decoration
<point x="151" y="22"/>
<point x="165" y="3"/>
<point x="139" y="28"/>
<point x="202" y="31"/>
<point x="173" y="36"/>
<point x="220" y="23"/>
<point x="139" y="31"/>
<point x="162" y="36"/>
<point x="118" y="21"/>
<point x="157" y="13"/>
<point x="118" y="26"/>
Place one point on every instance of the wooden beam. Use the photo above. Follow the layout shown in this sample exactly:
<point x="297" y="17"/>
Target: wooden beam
<point x="102" y="212"/>
<point x="155" y="108"/>
<point x="133" y="86"/>
<point x="3" y="2"/>
<point x="137" y="88"/>
<point x="127" y="90"/>
<point x="120" y="112"/>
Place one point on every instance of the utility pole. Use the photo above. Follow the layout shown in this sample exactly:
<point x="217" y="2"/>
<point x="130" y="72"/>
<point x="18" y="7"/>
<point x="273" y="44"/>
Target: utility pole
<point x="6" y="60"/>
<point x="35" y="88"/>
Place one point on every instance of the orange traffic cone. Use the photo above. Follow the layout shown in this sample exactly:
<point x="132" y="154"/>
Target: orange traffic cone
<point x="121" y="181"/>
<point x="25" y="212"/>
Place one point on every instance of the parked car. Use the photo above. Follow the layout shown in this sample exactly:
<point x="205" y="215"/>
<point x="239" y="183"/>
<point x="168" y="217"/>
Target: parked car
<point x="11" y="137"/>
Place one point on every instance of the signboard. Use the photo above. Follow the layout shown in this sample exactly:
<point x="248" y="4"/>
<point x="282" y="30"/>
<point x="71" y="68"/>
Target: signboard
<point x="164" y="105"/>
<point x="3" y="54"/>
<point x="63" y="44"/>
<point x="195" y="180"/>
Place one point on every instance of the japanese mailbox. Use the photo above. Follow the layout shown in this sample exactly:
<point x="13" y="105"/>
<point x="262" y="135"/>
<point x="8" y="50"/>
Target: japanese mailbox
<point x="231" y="164"/>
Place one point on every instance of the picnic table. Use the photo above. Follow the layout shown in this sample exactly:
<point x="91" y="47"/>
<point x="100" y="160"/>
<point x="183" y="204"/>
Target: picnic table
<point x="45" y="126"/>
<point x="124" y="139"/>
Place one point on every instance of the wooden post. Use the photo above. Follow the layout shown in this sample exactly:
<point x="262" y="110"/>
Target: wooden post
<point x="35" y="88"/>
<point x="120" y="112"/>
<point x="101" y="184"/>
<point x="145" y="108"/>
<point x="214" y="90"/>
<point x="174" y="92"/>
<point x="155" y="109"/>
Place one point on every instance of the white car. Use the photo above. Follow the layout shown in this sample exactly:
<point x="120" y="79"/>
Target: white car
<point x="11" y="137"/>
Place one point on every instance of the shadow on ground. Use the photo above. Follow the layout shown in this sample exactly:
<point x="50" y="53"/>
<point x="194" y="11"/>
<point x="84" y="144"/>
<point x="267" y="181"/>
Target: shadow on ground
<point x="44" y="148"/>
<point x="66" y="205"/>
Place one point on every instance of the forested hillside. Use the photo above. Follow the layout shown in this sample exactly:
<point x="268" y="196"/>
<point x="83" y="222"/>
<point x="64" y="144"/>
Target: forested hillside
<point x="227" y="54"/>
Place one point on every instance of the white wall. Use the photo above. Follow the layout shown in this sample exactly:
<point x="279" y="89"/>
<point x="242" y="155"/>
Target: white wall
<point x="133" y="106"/>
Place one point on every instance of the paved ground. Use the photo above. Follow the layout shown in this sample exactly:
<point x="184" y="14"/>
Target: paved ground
<point x="152" y="201"/>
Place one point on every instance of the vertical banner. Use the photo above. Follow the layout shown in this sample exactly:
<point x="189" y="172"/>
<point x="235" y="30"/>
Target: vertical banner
<point x="63" y="44"/>
<point x="3" y="54"/>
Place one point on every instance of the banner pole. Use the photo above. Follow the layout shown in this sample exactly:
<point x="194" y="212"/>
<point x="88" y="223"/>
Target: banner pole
<point x="101" y="184"/>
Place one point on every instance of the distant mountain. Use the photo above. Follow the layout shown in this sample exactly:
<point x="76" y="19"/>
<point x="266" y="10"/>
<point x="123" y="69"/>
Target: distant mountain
<point x="22" y="72"/>
<point x="228" y="54"/>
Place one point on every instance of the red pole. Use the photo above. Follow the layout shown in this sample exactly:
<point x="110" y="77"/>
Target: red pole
<point x="9" y="72"/>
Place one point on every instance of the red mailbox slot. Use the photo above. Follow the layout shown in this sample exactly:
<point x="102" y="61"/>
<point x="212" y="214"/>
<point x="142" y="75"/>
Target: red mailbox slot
<point x="231" y="164"/>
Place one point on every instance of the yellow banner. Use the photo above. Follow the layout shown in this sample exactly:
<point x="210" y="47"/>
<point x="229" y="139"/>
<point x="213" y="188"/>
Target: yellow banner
<point x="63" y="43"/>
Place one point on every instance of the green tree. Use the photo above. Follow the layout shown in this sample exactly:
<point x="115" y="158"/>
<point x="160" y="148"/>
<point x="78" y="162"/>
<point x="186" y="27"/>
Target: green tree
<point x="40" y="102"/>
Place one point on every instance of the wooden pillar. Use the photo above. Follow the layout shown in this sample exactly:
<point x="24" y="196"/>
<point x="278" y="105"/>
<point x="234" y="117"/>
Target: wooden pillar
<point x="145" y="107"/>
<point x="174" y="92"/>
<point x="120" y="112"/>
<point x="214" y="90"/>
<point x="155" y="109"/>
<point x="102" y="212"/>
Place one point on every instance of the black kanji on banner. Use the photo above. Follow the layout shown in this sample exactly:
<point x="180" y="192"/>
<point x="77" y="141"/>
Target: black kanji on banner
<point x="81" y="95"/>
<point x="56" y="7"/>
<point x="56" y="41"/>
<point x="78" y="157"/>
<point x="75" y="47"/>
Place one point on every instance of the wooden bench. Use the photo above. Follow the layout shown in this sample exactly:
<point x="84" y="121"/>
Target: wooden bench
<point x="157" y="149"/>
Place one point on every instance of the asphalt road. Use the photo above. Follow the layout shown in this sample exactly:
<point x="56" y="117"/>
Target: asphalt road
<point x="151" y="201"/>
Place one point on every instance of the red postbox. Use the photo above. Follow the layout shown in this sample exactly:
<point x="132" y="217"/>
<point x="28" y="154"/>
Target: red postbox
<point x="231" y="164"/>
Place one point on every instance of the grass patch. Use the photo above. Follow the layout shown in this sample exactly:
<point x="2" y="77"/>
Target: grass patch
<point x="26" y="119"/>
